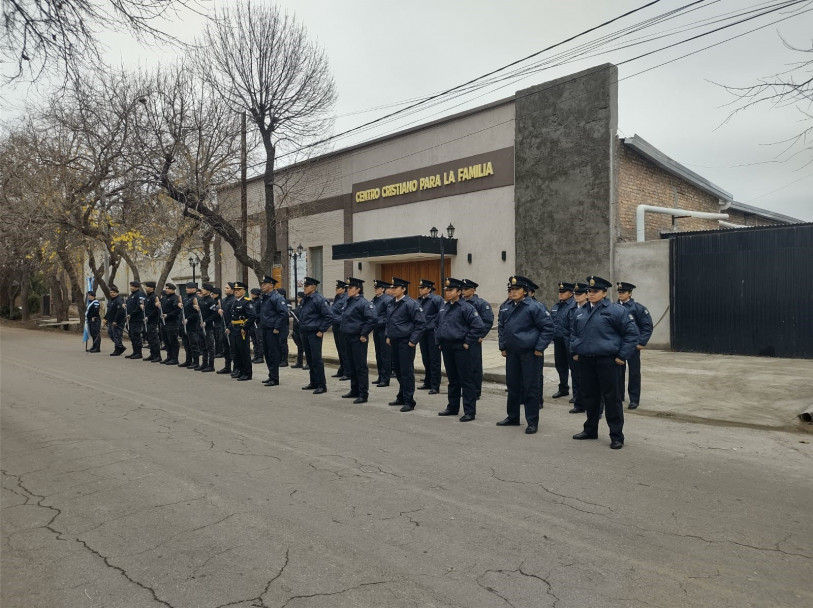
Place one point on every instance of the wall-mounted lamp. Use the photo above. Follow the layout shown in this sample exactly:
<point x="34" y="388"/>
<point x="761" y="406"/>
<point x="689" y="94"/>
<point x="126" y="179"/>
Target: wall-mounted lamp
<point x="469" y="258"/>
<point x="503" y="256"/>
<point x="359" y="265"/>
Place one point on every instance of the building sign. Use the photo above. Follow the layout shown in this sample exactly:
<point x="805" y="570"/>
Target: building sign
<point x="491" y="170"/>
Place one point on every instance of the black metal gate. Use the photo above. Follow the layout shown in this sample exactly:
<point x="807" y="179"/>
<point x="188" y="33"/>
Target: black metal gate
<point x="744" y="291"/>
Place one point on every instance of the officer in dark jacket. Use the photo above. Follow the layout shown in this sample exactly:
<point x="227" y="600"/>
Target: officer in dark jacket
<point x="561" y="356"/>
<point x="525" y="331"/>
<point x="458" y="329"/>
<point x="580" y="298"/>
<point x="152" y="318"/>
<point x="220" y="329"/>
<point x="115" y="319"/>
<point x="405" y="326"/>
<point x="93" y="320"/>
<point x="315" y="318"/>
<point x="383" y="361"/>
<point x="243" y="317"/>
<point x="256" y="332"/>
<point x="487" y="316"/>
<point x="274" y="322"/>
<point x="135" y="318"/>
<point x="604" y="337"/>
<point x="190" y="320"/>
<point x="644" y="323"/>
<point x="339" y="302"/>
<point x="282" y="336"/>
<point x="430" y="302"/>
<point x="358" y="320"/>
<point x="296" y="335"/>
<point x="229" y="345"/>
<point x="171" y="314"/>
<point x="207" y="307"/>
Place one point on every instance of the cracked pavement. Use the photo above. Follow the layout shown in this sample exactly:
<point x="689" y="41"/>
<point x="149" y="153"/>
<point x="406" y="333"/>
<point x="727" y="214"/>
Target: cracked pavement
<point x="128" y="485"/>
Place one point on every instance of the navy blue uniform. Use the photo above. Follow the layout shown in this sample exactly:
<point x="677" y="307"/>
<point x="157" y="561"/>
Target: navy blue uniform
<point x="190" y="320"/>
<point x="358" y="320"/>
<point x="476" y="350"/>
<point x="152" y="317"/>
<point x="209" y="316"/>
<point x="459" y="327"/>
<point x="383" y="360"/>
<point x="561" y="342"/>
<point x="339" y="302"/>
<point x="644" y="324"/>
<point x="229" y="341"/>
<point x="94" y="325"/>
<point x="242" y="321"/>
<point x="602" y="333"/>
<point x="172" y="314"/>
<point x="135" y="321"/>
<point x="274" y="324"/>
<point x="315" y="317"/>
<point x="405" y="326"/>
<point x="116" y="317"/>
<point x="256" y="331"/>
<point x="578" y="402"/>
<point x="524" y="327"/>
<point x="430" y="355"/>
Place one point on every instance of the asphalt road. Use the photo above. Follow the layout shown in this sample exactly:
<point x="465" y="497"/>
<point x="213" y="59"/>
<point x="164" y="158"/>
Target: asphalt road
<point x="132" y="484"/>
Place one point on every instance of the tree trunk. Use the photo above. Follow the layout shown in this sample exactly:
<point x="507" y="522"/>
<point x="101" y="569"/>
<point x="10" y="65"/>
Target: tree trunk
<point x="76" y="292"/>
<point x="267" y="260"/>
<point x="206" y="241"/>
<point x="170" y="261"/>
<point x="25" y="290"/>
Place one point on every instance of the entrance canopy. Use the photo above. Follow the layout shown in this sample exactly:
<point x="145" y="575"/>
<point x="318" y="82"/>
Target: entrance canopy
<point x="398" y="248"/>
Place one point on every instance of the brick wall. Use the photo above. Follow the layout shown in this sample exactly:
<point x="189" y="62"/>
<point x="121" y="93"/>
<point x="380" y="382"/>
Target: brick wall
<point x="641" y="182"/>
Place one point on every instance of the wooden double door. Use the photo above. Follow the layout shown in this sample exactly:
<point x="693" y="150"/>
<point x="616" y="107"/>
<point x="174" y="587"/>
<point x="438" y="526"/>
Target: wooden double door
<point x="414" y="272"/>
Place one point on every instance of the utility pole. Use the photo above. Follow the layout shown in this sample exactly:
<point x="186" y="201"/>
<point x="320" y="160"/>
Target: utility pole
<point x="244" y="191"/>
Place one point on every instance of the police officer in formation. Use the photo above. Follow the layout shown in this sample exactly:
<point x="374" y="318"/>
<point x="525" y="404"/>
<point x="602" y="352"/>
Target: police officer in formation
<point x="171" y="327"/>
<point x="190" y="324"/>
<point x="94" y="322"/>
<point x="315" y="318"/>
<point x="115" y="318"/>
<point x="273" y="320"/>
<point x="383" y="363"/>
<point x="357" y="321"/>
<point x="152" y="318"/>
<point x="525" y="330"/>
<point x="643" y="322"/>
<point x="256" y="332"/>
<point x="604" y="337"/>
<point x="487" y="316"/>
<point x="458" y="328"/>
<point x="339" y="301"/>
<point x="296" y="335"/>
<point x="207" y="308"/>
<point x="405" y="326"/>
<point x="580" y="299"/>
<point x="134" y="307"/>
<point x="561" y="346"/>
<point x="241" y="322"/>
<point x="430" y="302"/>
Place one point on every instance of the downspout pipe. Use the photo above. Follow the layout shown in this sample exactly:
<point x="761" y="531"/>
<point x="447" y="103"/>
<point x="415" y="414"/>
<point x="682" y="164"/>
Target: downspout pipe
<point x="724" y="224"/>
<point x="641" y="210"/>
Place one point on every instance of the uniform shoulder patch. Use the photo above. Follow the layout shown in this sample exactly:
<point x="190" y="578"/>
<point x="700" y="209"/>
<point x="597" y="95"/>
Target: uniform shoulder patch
<point x="646" y="312"/>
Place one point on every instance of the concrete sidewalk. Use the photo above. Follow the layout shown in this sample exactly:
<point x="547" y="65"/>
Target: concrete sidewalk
<point x="716" y="389"/>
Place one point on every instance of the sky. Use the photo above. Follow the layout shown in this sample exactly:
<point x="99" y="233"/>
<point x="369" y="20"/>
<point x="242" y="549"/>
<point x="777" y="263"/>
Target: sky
<point x="383" y="53"/>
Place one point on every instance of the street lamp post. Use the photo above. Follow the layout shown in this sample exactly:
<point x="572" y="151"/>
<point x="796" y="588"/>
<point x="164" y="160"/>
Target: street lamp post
<point x="295" y="255"/>
<point x="450" y="235"/>
<point x="193" y="262"/>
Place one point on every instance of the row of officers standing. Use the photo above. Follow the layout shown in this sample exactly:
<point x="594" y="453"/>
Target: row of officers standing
<point x="594" y="339"/>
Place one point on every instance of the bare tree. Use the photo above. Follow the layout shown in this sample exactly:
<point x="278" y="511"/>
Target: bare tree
<point x="61" y="35"/>
<point x="792" y="87"/>
<point x="261" y="62"/>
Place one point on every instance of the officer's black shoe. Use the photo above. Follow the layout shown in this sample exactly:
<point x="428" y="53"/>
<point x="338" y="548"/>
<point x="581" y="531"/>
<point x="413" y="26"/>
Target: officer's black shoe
<point x="530" y="429"/>
<point x="337" y="375"/>
<point x="320" y="390"/>
<point x="271" y="383"/>
<point x="296" y="366"/>
<point x="407" y="408"/>
<point x="184" y="364"/>
<point x="616" y="445"/>
<point x="584" y="435"/>
<point x="572" y="400"/>
<point x="633" y="406"/>
<point x="135" y="356"/>
<point x="208" y="369"/>
<point x="393" y="375"/>
<point x="236" y="374"/>
<point x="344" y="378"/>
<point x="360" y="400"/>
<point x="244" y="378"/>
<point x="447" y="412"/>
<point x="423" y="387"/>
<point x="115" y="353"/>
<point x="225" y="370"/>
<point x="148" y="360"/>
<point x="196" y="368"/>
<point x="308" y="387"/>
<point x="157" y="360"/>
<point x="283" y="364"/>
<point x="305" y="367"/>
<point x="257" y="360"/>
<point x="433" y="391"/>
<point x="171" y="362"/>
<point x="382" y="384"/>
<point x="467" y="418"/>
<point x="508" y="422"/>
<point x="94" y="350"/>
<point x="396" y="402"/>
<point x="576" y="410"/>
<point x="560" y="393"/>
<point x="350" y="395"/>
<point x="130" y="356"/>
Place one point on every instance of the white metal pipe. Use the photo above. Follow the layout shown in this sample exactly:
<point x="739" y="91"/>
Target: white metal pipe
<point x="730" y="225"/>
<point x="642" y="209"/>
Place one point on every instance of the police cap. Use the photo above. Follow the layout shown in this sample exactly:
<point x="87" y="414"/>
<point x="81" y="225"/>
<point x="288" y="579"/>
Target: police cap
<point x="594" y="282"/>
<point x="310" y="281"/>
<point x="622" y="286"/>
<point x="565" y="287"/>
<point x="396" y="282"/>
<point x="469" y="284"/>
<point x="452" y="283"/>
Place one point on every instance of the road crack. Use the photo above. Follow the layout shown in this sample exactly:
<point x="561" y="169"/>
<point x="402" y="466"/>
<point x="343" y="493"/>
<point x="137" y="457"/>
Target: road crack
<point x="564" y="497"/>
